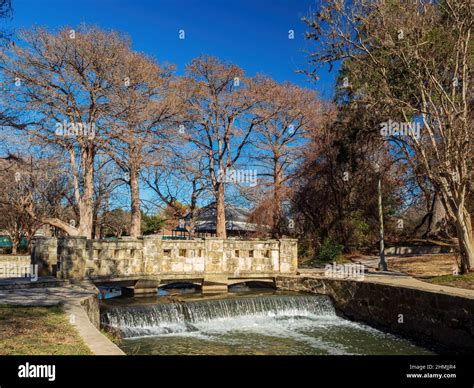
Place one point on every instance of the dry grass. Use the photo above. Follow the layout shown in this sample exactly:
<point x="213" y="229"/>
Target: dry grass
<point x="437" y="269"/>
<point x="424" y="266"/>
<point x="38" y="331"/>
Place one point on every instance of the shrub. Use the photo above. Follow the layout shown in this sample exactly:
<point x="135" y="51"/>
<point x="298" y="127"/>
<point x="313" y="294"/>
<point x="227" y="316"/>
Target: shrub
<point x="152" y="224"/>
<point x="330" y="250"/>
<point x="359" y="231"/>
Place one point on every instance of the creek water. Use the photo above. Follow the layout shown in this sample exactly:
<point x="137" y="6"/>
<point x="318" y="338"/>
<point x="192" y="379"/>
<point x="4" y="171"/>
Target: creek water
<point x="245" y="324"/>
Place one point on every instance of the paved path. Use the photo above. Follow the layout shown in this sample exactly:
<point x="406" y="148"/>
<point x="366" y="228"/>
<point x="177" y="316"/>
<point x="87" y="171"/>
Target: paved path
<point x="399" y="280"/>
<point x="409" y="282"/>
<point x="46" y="296"/>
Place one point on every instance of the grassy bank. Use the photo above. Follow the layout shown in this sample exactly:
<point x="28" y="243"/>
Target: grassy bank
<point x="38" y="331"/>
<point x="461" y="281"/>
<point x="436" y="269"/>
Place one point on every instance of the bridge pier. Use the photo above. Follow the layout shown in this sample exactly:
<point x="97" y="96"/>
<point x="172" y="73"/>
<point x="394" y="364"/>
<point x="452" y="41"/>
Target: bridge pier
<point x="213" y="284"/>
<point x="146" y="286"/>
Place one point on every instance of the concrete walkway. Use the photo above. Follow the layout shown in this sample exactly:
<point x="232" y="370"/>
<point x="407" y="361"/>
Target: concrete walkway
<point x="409" y="282"/>
<point x="95" y="340"/>
<point x="71" y="297"/>
<point x="399" y="280"/>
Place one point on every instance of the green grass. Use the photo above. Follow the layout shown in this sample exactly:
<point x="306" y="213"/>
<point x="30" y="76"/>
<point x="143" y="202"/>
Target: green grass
<point x="38" y="331"/>
<point x="461" y="281"/>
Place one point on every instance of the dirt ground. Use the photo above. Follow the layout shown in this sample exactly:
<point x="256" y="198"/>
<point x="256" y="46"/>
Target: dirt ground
<point x="438" y="269"/>
<point x="424" y="266"/>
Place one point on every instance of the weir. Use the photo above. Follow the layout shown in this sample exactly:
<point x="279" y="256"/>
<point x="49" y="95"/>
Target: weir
<point x="168" y="318"/>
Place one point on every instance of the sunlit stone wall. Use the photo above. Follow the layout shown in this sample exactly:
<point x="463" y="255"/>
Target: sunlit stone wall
<point x="79" y="258"/>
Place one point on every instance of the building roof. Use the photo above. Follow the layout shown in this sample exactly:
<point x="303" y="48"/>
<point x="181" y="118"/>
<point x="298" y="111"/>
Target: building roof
<point x="236" y="219"/>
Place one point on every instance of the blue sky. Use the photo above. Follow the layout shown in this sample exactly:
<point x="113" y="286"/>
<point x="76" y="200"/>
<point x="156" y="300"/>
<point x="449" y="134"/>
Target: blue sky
<point x="250" y="33"/>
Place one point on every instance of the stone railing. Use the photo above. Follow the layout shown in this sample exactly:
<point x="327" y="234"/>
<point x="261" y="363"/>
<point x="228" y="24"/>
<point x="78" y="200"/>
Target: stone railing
<point x="45" y="255"/>
<point x="79" y="258"/>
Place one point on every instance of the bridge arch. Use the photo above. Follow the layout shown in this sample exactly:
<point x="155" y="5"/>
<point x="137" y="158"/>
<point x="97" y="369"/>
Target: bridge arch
<point x="253" y="283"/>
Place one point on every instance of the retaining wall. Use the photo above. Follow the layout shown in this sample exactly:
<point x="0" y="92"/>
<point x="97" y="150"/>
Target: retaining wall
<point x="438" y="318"/>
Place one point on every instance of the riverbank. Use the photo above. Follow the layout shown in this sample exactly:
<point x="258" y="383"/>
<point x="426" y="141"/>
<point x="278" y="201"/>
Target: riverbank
<point x="423" y="312"/>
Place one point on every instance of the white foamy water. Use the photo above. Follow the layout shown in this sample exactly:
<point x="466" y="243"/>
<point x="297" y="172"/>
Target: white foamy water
<point x="279" y="324"/>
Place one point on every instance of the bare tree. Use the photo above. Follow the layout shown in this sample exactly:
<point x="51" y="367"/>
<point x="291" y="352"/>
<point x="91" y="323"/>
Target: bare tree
<point x="141" y="105"/>
<point x="58" y="86"/>
<point x="31" y="185"/>
<point x="278" y="141"/>
<point x="219" y="120"/>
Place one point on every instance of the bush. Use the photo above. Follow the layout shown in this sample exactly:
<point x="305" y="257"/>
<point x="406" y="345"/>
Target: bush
<point x="359" y="231"/>
<point x="152" y="224"/>
<point x="330" y="250"/>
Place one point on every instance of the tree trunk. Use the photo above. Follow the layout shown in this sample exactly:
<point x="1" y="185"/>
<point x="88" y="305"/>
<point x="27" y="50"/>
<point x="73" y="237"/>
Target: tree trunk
<point x="382" y="263"/>
<point x="220" y="212"/>
<point x="86" y="203"/>
<point x="192" y="226"/>
<point x="30" y="245"/>
<point x="277" y="217"/>
<point x="435" y="220"/>
<point x="464" y="232"/>
<point x="56" y="222"/>
<point x="95" y="218"/>
<point x="136" y="219"/>
<point x="85" y="219"/>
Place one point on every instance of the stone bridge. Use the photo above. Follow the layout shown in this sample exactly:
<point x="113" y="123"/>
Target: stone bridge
<point x="149" y="262"/>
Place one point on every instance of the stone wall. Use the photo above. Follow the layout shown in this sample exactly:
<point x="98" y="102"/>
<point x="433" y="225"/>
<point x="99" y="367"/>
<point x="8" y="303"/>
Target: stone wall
<point x="152" y="256"/>
<point x="431" y="317"/>
<point x="173" y="257"/>
<point x="121" y="257"/>
<point x="72" y="256"/>
<point x="418" y="250"/>
<point x="45" y="255"/>
<point x="243" y="257"/>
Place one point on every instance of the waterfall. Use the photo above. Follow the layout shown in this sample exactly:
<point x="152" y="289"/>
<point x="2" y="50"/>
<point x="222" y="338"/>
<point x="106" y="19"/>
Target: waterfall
<point x="171" y="318"/>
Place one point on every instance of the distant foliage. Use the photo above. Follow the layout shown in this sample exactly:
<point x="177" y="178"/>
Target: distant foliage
<point x="359" y="230"/>
<point x="329" y="250"/>
<point x="152" y="224"/>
